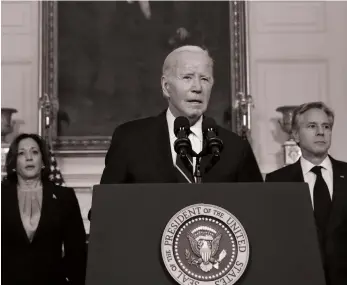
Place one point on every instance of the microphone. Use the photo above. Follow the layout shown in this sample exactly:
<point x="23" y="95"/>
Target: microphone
<point x="213" y="143"/>
<point x="182" y="145"/>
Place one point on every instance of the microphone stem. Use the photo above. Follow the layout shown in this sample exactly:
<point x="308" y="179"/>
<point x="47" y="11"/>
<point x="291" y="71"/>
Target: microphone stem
<point x="197" y="173"/>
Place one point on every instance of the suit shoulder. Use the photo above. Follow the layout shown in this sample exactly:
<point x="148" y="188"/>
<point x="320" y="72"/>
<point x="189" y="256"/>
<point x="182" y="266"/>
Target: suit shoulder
<point x="135" y="126"/>
<point x="63" y="191"/>
<point x="230" y="135"/>
<point x="340" y="166"/>
<point x="5" y="183"/>
<point x="138" y="123"/>
<point x="6" y="188"/>
<point x="279" y="174"/>
<point x="233" y="142"/>
<point x="341" y="163"/>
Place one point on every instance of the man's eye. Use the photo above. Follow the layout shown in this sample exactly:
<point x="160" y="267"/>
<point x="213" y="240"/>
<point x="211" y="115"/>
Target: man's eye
<point x="205" y="79"/>
<point x="187" y="77"/>
<point x="311" y="126"/>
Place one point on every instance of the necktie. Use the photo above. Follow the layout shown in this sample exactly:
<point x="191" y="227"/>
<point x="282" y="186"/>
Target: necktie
<point x="321" y="200"/>
<point x="185" y="166"/>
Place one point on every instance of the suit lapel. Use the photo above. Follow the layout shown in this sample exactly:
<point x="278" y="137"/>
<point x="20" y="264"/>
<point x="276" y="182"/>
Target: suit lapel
<point x="339" y="195"/>
<point x="164" y="164"/>
<point x="47" y="209"/>
<point x="13" y="208"/>
<point x="297" y="175"/>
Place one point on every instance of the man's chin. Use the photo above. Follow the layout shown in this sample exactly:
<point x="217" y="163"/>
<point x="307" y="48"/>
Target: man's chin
<point x="194" y="116"/>
<point x="321" y="152"/>
<point x="195" y="113"/>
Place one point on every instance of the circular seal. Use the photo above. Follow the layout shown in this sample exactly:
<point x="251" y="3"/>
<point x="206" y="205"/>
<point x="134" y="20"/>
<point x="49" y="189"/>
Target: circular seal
<point x="206" y="245"/>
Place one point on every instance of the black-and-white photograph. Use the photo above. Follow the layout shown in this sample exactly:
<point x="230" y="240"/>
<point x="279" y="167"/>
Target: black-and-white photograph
<point x="173" y="142"/>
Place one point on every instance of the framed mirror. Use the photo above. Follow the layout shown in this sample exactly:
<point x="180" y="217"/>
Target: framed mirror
<point x="102" y="61"/>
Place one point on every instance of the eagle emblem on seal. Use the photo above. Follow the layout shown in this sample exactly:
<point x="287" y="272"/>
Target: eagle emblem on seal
<point x="204" y="242"/>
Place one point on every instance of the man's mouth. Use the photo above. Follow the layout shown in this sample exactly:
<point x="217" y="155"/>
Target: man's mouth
<point x="195" y="101"/>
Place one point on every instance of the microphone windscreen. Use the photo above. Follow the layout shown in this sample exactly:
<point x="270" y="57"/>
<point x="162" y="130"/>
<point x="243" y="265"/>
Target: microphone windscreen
<point x="209" y="123"/>
<point x="181" y="122"/>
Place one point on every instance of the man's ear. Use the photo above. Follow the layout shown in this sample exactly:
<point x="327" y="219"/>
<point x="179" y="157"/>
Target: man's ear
<point x="296" y="136"/>
<point x="165" y="86"/>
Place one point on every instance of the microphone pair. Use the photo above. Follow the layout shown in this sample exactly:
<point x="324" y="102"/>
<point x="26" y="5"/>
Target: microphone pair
<point x="213" y="144"/>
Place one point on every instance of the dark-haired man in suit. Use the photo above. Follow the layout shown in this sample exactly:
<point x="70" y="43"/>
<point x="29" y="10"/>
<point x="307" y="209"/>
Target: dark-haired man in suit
<point x="327" y="180"/>
<point x="142" y="151"/>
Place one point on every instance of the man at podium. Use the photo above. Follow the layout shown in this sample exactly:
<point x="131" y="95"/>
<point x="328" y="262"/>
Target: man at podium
<point x="144" y="150"/>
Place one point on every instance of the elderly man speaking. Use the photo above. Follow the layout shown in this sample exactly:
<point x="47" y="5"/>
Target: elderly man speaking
<point x="142" y="151"/>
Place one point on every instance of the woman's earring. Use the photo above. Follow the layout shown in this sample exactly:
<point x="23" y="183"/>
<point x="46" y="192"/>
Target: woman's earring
<point x="14" y="170"/>
<point x="43" y="167"/>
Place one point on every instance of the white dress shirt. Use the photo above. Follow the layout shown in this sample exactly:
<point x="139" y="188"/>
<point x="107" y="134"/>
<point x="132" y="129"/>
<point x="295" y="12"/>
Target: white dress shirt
<point x="195" y="137"/>
<point x="310" y="177"/>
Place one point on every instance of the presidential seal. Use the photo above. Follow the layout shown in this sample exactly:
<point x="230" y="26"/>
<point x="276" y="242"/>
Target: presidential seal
<point x="203" y="245"/>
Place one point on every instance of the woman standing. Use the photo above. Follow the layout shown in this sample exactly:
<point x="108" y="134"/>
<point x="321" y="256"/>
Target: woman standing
<point x="42" y="232"/>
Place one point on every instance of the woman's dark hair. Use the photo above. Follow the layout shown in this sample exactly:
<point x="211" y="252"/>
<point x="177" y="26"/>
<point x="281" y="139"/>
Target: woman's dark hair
<point x="11" y="158"/>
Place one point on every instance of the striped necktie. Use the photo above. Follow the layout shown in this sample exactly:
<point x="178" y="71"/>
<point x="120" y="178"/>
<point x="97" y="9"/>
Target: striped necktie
<point x="185" y="165"/>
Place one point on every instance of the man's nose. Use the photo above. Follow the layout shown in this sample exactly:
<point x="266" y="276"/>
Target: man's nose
<point x="197" y="85"/>
<point x="320" y="130"/>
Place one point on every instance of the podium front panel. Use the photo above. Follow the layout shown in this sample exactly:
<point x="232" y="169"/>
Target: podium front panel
<point x="128" y="221"/>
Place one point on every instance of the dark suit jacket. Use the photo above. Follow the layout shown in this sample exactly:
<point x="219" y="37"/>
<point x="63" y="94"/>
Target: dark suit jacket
<point x="334" y="251"/>
<point x="140" y="153"/>
<point x="41" y="262"/>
